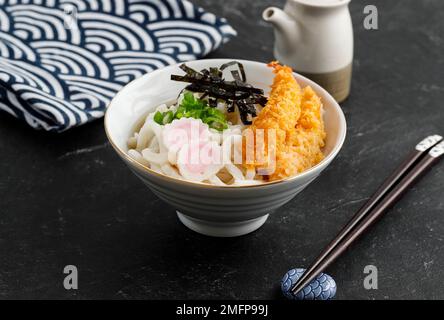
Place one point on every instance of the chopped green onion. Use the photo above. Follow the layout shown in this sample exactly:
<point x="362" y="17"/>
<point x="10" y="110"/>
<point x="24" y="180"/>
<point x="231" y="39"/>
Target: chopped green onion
<point x="178" y="115"/>
<point x="215" y="113"/>
<point x="218" y="125"/>
<point x="158" y="117"/>
<point x="188" y="97"/>
<point x="168" y="117"/>
<point x="191" y="107"/>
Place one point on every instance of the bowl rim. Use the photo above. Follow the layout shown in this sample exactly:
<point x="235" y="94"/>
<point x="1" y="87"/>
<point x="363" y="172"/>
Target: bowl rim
<point x="287" y="180"/>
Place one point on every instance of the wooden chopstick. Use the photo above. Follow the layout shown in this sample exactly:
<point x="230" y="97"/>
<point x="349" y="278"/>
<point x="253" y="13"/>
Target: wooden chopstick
<point x="426" y="153"/>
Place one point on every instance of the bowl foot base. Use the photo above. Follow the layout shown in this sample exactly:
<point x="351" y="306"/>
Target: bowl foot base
<point x="222" y="229"/>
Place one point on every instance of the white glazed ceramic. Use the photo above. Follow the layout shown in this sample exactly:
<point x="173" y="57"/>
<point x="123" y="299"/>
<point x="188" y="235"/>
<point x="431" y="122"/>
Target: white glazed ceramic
<point x="212" y="210"/>
<point x="313" y="36"/>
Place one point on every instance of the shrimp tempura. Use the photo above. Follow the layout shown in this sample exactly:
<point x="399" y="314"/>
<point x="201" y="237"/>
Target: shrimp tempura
<point x="296" y="117"/>
<point x="280" y="114"/>
<point x="305" y="142"/>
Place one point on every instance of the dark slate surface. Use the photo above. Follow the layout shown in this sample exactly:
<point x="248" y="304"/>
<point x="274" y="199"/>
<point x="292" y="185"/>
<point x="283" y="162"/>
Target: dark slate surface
<point x="68" y="199"/>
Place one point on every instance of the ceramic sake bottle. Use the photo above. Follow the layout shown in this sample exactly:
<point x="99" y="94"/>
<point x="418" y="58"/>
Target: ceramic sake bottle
<point x="315" y="38"/>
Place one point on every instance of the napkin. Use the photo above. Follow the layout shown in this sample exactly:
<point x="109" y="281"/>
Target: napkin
<point x="62" y="61"/>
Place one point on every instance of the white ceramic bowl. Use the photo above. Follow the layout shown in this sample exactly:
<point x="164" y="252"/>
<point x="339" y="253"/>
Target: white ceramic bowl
<point x="211" y="210"/>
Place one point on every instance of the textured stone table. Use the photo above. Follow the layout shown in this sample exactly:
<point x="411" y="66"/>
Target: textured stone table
<point x="67" y="199"/>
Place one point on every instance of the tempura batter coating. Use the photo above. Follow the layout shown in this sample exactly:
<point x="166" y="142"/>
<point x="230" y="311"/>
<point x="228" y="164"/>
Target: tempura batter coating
<point x="303" y="149"/>
<point x="280" y="114"/>
<point x="296" y="117"/>
<point x="284" y="103"/>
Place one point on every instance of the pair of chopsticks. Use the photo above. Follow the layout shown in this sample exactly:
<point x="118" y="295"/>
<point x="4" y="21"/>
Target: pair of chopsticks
<point x="425" y="155"/>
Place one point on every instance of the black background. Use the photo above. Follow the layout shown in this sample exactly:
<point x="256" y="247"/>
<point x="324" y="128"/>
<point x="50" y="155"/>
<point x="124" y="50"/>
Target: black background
<point x="68" y="199"/>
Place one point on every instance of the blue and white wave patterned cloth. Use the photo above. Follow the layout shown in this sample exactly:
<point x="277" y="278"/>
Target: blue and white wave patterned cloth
<point x="62" y="61"/>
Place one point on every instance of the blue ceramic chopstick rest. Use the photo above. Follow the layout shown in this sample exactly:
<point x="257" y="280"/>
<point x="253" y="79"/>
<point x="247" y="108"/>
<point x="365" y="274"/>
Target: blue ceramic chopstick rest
<point x="323" y="287"/>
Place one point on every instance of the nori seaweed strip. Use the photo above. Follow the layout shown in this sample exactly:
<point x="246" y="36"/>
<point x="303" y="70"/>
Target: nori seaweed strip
<point x="212" y="102"/>
<point x="217" y="92"/>
<point x="261" y="100"/>
<point x="244" y="112"/>
<point x="240" y="66"/>
<point x="230" y="106"/>
<point x="215" y="74"/>
<point x="250" y="107"/>
<point x="236" y="75"/>
<point x="205" y="72"/>
<point x="232" y="103"/>
<point x="189" y="71"/>
<point x="238" y="93"/>
<point x="226" y="85"/>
